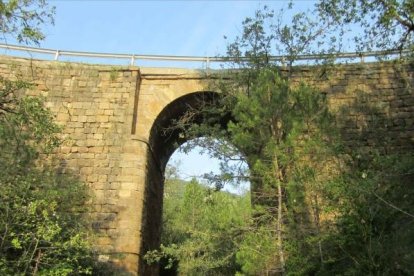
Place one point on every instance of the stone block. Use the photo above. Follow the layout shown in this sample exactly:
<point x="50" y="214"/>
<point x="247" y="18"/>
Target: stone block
<point x="86" y="170"/>
<point x="124" y="194"/>
<point x="129" y="186"/>
<point x="62" y="117"/>
<point x="103" y="178"/>
<point x="102" y="118"/>
<point x="82" y="119"/>
<point x="96" y="150"/>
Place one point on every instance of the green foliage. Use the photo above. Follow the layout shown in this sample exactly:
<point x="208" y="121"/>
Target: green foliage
<point x="256" y="251"/>
<point x="375" y="216"/>
<point x="201" y="229"/>
<point x="27" y="131"/>
<point x="385" y="24"/>
<point x="330" y="27"/>
<point x="269" y="33"/>
<point x="317" y="209"/>
<point x="294" y="140"/>
<point x="22" y="19"/>
<point x="42" y="227"/>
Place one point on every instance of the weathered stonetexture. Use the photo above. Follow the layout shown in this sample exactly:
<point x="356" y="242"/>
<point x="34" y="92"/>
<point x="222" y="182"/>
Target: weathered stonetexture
<point x="110" y="115"/>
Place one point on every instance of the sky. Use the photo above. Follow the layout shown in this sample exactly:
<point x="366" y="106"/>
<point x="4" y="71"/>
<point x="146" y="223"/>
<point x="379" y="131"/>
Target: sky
<point x="151" y="27"/>
<point x="186" y="28"/>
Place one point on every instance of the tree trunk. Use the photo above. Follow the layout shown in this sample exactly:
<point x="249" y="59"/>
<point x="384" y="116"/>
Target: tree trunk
<point x="279" y="226"/>
<point x="279" y="194"/>
<point x="278" y="176"/>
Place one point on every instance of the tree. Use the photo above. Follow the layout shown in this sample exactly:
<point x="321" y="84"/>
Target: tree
<point x="23" y="19"/>
<point x="285" y="134"/>
<point x="298" y="165"/>
<point x="268" y="34"/>
<point x="385" y="24"/>
<point x="201" y="229"/>
<point x="293" y="125"/>
<point x="372" y="230"/>
<point x="42" y="227"/>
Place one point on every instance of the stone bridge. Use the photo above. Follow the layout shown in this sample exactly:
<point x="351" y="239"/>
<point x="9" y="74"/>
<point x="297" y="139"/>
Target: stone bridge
<point x="112" y="117"/>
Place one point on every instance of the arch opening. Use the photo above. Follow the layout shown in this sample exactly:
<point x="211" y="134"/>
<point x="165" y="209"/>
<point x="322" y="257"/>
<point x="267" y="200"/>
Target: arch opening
<point x="166" y="136"/>
<point x="203" y="159"/>
<point x="165" y="139"/>
<point x="206" y="199"/>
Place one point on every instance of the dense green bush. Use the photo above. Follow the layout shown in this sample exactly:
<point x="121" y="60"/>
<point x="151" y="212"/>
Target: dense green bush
<point x="202" y="229"/>
<point x="42" y="229"/>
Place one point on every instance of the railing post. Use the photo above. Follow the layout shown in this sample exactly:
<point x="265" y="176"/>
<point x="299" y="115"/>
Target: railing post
<point x="57" y="55"/>
<point x="132" y="60"/>
<point x="361" y="56"/>
<point x="283" y="62"/>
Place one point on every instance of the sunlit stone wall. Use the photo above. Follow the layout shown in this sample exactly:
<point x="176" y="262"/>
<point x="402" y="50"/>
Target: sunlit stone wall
<point x="107" y="114"/>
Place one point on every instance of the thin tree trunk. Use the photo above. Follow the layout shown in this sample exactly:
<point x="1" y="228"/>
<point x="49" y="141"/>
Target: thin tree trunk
<point x="275" y="130"/>
<point x="279" y="226"/>
<point x="279" y="179"/>
<point x="36" y="268"/>
<point x="318" y="229"/>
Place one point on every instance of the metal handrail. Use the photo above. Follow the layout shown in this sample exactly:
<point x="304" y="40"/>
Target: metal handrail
<point x="207" y="60"/>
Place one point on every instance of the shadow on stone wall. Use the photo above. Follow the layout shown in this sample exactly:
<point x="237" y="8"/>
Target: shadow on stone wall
<point x="105" y="259"/>
<point x="379" y="116"/>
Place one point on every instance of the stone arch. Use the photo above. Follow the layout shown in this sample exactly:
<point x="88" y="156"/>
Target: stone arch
<point x="163" y="141"/>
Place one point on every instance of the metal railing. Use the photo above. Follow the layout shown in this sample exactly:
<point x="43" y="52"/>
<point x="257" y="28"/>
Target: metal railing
<point x="207" y="60"/>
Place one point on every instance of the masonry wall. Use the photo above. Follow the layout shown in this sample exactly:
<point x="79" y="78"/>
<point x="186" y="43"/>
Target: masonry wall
<point x="94" y="104"/>
<point x="107" y="113"/>
<point x="373" y="103"/>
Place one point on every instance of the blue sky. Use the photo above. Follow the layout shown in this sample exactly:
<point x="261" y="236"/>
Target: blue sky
<point x="189" y="28"/>
<point x="150" y="27"/>
<point x="146" y="27"/>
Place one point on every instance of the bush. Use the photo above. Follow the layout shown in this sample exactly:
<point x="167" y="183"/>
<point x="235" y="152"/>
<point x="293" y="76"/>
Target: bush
<point x="42" y="229"/>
